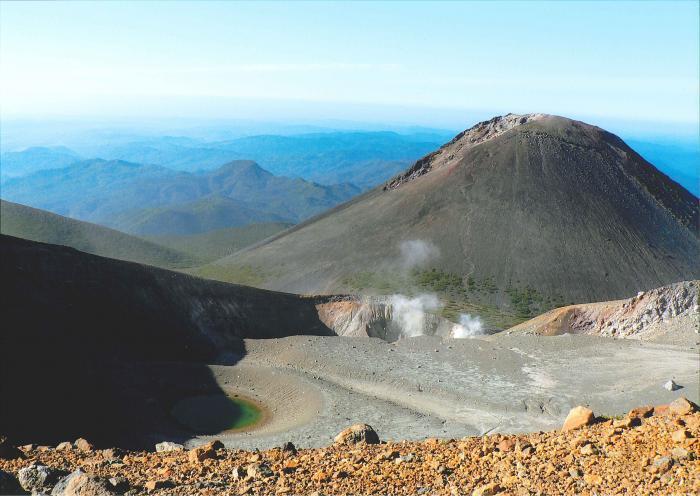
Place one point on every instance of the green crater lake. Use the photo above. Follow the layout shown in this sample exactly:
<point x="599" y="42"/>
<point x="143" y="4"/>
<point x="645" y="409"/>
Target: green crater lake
<point x="211" y="414"/>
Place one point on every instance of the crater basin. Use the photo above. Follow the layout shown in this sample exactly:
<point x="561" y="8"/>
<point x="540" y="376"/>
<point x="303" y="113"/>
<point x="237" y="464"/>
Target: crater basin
<point x="211" y="414"/>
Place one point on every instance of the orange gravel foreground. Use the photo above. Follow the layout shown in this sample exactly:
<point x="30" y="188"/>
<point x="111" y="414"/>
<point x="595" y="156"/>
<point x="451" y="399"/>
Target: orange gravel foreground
<point x="633" y="455"/>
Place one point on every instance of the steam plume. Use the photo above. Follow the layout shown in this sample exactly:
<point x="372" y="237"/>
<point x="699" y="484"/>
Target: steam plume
<point x="410" y="313"/>
<point x="417" y="253"/>
<point x="468" y="327"/>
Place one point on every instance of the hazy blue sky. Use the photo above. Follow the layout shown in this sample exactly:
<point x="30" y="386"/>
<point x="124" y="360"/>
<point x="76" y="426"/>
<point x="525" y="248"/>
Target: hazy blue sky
<point x="425" y="63"/>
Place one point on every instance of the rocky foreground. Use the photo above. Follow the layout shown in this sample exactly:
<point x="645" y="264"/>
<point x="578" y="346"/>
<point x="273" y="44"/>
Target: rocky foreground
<point x="652" y="450"/>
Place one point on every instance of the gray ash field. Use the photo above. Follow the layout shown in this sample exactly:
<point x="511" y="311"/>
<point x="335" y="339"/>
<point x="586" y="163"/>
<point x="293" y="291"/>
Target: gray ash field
<point x="429" y="387"/>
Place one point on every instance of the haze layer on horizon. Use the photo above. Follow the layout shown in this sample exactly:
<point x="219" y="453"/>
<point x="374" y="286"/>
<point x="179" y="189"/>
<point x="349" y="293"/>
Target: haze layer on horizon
<point x="432" y="64"/>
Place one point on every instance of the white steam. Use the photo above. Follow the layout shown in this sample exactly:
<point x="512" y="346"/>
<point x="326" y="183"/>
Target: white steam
<point x="410" y="313"/>
<point x="415" y="316"/>
<point x="468" y="327"/>
<point x="417" y="253"/>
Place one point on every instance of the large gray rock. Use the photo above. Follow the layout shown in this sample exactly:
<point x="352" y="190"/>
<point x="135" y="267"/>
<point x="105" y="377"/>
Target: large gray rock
<point x="358" y="433"/>
<point x="60" y="488"/>
<point x="39" y="478"/>
<point x="79" y="483"/>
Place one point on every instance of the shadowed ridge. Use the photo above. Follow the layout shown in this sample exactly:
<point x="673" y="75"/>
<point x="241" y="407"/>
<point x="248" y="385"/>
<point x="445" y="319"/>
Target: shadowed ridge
<point x="101" y="348"/>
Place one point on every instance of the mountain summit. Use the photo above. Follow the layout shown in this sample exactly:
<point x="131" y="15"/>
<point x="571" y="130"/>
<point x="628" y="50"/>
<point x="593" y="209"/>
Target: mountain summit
<point x="473" y="136"/>
<point x="521" y="201"/>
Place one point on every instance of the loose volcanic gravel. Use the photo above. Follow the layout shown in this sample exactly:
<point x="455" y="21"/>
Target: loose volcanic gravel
<point x="633" y="455"/>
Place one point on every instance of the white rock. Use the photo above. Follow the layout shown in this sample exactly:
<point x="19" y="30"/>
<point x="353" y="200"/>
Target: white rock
<point x="671" y="386"/>
<point x="169" y="446"/>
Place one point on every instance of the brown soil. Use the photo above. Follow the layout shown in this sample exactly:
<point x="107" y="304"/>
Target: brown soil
<point x="646" y="456"/>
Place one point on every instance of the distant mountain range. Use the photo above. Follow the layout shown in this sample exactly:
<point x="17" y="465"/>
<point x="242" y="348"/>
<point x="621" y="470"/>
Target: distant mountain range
<point x="154" y="200"/>
<point x="34" y="159"/>
<point x="520" y="211"/>
<point x="364" y="159"/>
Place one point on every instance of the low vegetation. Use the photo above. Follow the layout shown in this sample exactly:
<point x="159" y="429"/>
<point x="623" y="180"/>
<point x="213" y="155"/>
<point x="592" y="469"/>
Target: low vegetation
<point x="219" y="243"/>
<point x="37" y="225"/>
<point x="237" y="274"/>
<point x="460" y="294"/>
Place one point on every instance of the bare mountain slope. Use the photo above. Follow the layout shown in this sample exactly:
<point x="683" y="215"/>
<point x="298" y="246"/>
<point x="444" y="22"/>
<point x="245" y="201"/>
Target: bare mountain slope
<point x="668" y="313"/>
<point x="532" y="201"/>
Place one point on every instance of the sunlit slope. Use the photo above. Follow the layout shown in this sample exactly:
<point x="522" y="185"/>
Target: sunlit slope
<point x="558" y="206"/>
<point x="38" y="225"/>
<point x="218" y="243"/>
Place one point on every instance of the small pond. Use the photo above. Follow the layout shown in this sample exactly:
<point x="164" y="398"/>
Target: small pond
<point x="211" y="414"/>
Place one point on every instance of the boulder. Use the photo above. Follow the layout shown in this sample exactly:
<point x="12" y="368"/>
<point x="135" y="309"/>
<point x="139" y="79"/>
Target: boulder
<point x="82" y="444"/>
<point x="662" y="464"/>
<point x="680" y="435"/>
<point x="592" y="479"/>
<point x="671" y="386"/>
<point x="680" y="453"/>
<point x="641" y="412"/>
<point x="205" y="451"/>
<point x="60" y="487"/>
<point x="78" y="483"/>
<point x="682" y="406"/>
<point x="506" y="445"/>
<point x="661" y="410"/>
<point x="487" y="490"/>
<point x="152" y="485"/>
<point x="358" y="433"/>
<point x="39" y="478"/>
<point x="258" y="471"/>
<point x="575" y="473"/>
<point x="169" y="446"/>
<point x="289" y="447"/>
<point x="579" y="416"/>
<point x="589" y="449"/>
<point x="692" y="422"/>
<point x="112" y="454"/>
<point x="239" y="473"/>
<point x="65" y="445"/>
<point x="527" y="450"/>
<point x="626" y="422"/>
<point x="119" y="484"/>
<point x="215" y="444"/>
